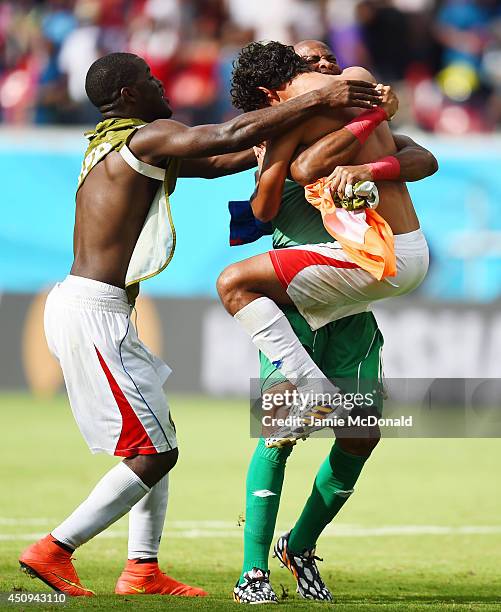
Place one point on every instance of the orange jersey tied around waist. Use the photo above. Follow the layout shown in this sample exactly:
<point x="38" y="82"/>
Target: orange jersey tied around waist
<point x="364" y="235"/>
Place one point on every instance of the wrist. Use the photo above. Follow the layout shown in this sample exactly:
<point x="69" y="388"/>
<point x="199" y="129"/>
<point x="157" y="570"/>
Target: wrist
<point x="362" y="126"/>
<point x="385" y="169"/>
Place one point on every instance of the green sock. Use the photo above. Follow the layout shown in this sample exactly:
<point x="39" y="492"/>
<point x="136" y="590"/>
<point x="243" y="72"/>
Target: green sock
<point x="333" y="485"/>
<point x="265" y="477"/>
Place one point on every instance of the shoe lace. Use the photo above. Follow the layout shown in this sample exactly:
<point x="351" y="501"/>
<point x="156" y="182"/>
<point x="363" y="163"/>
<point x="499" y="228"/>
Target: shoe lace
<point x="254" y="582"/>
<point x="311" y="558"/>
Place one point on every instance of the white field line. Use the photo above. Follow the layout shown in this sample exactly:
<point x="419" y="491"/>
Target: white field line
<point x="226" y="529"/>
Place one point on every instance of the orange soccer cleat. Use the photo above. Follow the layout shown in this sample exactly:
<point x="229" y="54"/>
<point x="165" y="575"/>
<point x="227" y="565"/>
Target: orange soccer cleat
<point x="52" y="564"/>
<point x="147" y="579"/>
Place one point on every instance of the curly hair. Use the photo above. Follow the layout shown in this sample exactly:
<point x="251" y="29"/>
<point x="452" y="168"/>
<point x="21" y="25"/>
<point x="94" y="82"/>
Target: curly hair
<point x="269" y="65"/>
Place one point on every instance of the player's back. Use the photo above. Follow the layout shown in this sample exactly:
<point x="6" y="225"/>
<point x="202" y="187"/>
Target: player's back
<point x="111" y="207"/>
<point x="395" y="202"/>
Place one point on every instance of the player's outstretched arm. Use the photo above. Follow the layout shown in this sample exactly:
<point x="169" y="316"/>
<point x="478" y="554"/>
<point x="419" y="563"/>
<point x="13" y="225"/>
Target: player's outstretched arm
<point x="165" y="138"/>
<point x="218" y="165"/>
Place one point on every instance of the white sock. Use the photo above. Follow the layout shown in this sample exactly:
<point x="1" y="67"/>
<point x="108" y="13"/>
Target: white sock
<point x="146" y="521"/>
<point x="113" y="496"/>
<point x="270" y="331"/>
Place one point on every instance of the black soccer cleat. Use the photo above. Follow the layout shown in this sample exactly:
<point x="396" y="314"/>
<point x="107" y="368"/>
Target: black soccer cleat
<point x="255" y="589"/>
<point x="304" y="569"/>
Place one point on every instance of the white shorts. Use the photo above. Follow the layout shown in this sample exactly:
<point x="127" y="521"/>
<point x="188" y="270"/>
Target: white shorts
<point x="114" y="382"/>
<point x="325" y="285"/>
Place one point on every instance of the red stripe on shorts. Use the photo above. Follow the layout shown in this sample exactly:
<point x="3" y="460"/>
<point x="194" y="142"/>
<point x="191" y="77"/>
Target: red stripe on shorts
<point x="289" y="262"/>
<point x="133" y="438"/>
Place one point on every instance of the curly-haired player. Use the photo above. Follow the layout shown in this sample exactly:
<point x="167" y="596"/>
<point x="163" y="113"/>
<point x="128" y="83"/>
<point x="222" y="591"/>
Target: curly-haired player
<point x="347" y="349"/>
<point x="321" y="280"/>
<point x="273" y="64"/>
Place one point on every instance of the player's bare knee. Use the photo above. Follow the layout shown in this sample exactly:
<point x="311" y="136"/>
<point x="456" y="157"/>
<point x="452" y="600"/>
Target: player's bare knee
<point x="169" y="460"/>
<point x="152" y="468"/>
<point x="230" y="287"/>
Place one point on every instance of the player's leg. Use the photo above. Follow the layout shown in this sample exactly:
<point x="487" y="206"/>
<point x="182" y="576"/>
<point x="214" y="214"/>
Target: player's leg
<point x="114" y="386"/>
<point x="265" y="476"/>
<point x="113" y="496"/>
<point x="250" y="291"/>
<point x="146" y="523"/>
<point x="266" y="473"/>
<point x="334" y="484"/>
<point x="352" y="357"/>
<point x="142" y="574"/>
<point x="332" y="487"/>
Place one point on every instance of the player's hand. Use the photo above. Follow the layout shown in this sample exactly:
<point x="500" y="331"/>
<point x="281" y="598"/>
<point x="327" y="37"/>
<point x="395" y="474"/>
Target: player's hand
<point x="260" y="152"/>
<point x="349" y="93"/>
<point x="348" y="175"/>
<point x="389" y="100"/>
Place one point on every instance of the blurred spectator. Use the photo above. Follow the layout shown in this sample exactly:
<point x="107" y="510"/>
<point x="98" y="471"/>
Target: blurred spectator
<point x="385" y="30"/>
<point x="268" y="20"/>
<point x="443" y="56"/>
<point x="78" y="51"/>
<point x="155" y="34"/>
<point x="345" y="34"/>
<point x="461" y="28"/>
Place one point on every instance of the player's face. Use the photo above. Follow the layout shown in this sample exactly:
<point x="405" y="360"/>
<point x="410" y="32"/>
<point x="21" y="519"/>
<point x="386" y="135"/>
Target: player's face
<point x="320" y="58"/>
<point x="152" y="95"/>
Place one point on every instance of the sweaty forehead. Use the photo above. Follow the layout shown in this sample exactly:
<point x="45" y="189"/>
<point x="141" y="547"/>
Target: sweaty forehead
<point x="313" y="49"/>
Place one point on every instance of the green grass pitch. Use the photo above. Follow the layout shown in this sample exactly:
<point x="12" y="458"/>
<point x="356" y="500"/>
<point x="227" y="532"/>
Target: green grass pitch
<point x="421" y="532"/>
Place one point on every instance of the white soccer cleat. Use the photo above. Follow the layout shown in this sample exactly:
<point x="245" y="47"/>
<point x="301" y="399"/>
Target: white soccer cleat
<point x="255" y="588"/>
<point x="303" y="421"/>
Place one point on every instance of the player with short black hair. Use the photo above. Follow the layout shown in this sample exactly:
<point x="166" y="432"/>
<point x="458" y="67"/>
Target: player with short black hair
<point x="108" y="74"/>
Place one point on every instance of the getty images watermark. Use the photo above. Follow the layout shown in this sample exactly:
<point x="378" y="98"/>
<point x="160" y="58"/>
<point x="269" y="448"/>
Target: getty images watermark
<point x="341" y="410"/>
<point x="412" y="408"/>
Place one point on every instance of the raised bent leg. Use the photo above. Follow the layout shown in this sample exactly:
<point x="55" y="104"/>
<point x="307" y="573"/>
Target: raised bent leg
<point x="250" y="291"/>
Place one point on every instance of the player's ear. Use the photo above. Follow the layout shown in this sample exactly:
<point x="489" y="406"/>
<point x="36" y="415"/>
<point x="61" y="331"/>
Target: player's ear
<point x="271" y="95"/>
<point x="128" y="95"/>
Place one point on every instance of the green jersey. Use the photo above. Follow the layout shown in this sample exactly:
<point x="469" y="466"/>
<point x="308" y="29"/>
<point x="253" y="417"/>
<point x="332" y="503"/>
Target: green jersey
<point x="347" y="351"/>
<point x="297" y="221"/>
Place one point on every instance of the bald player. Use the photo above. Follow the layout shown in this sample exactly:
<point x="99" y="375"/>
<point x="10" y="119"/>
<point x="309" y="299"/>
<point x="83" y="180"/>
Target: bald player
<point x="348" y="349"/>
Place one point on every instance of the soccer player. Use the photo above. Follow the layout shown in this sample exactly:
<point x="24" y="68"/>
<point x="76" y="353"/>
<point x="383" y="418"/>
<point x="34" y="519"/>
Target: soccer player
<point x="347" y="349"/>
<point x="124" y="234"/>
<point x="321" y="280"/>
